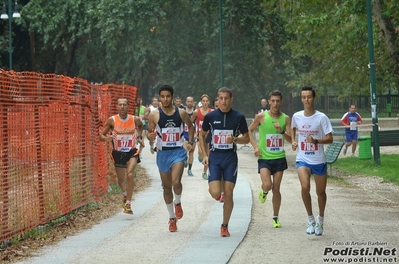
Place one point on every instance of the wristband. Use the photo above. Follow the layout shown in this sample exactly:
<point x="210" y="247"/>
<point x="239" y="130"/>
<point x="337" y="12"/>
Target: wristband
<point x="191" y="143"/>
<point x="316" y="141"/>
<point x="282" y="132"/>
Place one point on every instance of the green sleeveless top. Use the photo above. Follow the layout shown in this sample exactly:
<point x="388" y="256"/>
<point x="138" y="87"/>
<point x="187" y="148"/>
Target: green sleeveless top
<point x="141" y="113"/>
<point x="271" y="142"/>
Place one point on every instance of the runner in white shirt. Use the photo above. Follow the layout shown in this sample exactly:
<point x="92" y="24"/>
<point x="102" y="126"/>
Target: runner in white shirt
<point x="151" y="108"/>
<point x="314" y="129"/>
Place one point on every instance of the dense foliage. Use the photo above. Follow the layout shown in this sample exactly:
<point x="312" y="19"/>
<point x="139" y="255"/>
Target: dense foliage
<point x="268" y="44"/>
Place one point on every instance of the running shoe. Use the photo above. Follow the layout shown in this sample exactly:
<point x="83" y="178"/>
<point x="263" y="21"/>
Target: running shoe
<point x="318" y="231"/>
<point x="128" y="209"/>
<point x="353" y="155"/>
<point x="345" y="149"/>
<point x="221" y="198"/>
<point x="172" y="225"/>
<point x="310" y="229"/>
<point x="200" y="159"/>
<point x="262" y="196"/>
<point x="178" y="211"/>
<point x="190" y="173"/>
<point x="276" y="223"/>
<point x="224" y="231"/>
<point x="204" y="176"/>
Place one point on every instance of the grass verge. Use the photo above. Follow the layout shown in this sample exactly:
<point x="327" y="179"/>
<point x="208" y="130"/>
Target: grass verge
<point x="388" y="168"/>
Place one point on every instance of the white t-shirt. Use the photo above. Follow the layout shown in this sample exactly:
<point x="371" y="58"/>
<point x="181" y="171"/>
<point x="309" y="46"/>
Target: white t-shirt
<point x="152" y="108"/>
<point x="318" y="126"/>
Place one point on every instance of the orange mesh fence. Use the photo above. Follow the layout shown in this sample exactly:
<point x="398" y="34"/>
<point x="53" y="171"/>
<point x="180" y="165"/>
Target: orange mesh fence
<point x="51" y="159"/>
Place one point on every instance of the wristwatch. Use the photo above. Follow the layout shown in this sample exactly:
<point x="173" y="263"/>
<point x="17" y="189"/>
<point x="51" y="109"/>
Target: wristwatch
<point x="282" y="132"/>
<point x="235" y="139"/>
<point x="191" y="143"/>
<point x="316" y="141"/>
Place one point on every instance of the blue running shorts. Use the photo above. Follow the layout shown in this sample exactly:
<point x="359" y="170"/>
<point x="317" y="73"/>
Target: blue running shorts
<point x="351" y="135"/>
<point x="166" y="158"/>
<point x="223" y="163"/>
<point x="318" y="169"/>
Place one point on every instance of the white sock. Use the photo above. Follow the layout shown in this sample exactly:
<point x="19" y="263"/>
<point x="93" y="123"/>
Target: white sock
<point x="124" y="193"/>
<point x="177" y="198"/>
<point x="275" y="216"/>
<point x="311" y="219"/>
<point x="170" y="210"/>
<point x="128" y="202"/>
<point x="320" y="219"/>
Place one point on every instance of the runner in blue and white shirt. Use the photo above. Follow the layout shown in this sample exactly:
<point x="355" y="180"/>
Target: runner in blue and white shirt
<point x="225" y="125"/>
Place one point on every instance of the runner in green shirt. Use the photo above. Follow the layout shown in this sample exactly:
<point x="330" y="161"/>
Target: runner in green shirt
<point x="274" y="127"/>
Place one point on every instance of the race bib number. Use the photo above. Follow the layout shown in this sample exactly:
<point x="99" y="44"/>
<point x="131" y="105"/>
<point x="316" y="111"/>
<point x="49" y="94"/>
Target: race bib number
<point x="352" y="125"/>
<point x="185" y="128"/>
<point x="124" y="142"/>
<point x="219" y="139"/>
<point x="309" y="147"/>
<point x="171" y="137"/>
<point x="274" y="142"/>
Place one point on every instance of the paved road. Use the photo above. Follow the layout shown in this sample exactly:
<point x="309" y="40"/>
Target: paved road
<point x="355" y="218"/>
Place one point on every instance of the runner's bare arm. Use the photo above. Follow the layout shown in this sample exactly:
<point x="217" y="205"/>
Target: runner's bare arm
<point x="327" y="140"/>
<point x="194" y="116"/>
<point x="140" y="128"/>
<point x="147" y="112"/>
<point x="244" y="139"/>
<point x="255" y="124"/>
<point x="293" y="142"/>
<point x="109" y="125"/>
<point x="287" y="134"/>
<point x="152" y="120"/>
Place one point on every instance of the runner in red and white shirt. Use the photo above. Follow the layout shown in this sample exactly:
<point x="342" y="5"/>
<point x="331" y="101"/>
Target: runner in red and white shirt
<point x="198" y="118"/>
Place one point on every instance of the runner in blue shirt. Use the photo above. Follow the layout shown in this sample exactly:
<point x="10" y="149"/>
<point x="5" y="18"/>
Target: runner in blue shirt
<point x="166" y="124"/>
<point x="351" y="119"/>
<point x="225" y="125"/>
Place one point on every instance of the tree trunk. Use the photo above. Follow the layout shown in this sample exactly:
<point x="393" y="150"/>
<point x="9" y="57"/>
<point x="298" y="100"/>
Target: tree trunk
<point x="388" y="33"/>
<point x="32" y="50"/>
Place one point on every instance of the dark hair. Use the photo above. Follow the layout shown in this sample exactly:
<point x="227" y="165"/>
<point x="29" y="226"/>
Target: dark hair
<point x="309" y="88"/>
<point x="166" y="87"/>
<point x="276" y="93"/>
<point x="216" y="99"/>
<point x="224" y="89"/>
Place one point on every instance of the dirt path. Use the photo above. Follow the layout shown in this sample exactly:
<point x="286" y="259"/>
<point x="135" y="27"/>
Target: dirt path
<point x="357" y="215"/>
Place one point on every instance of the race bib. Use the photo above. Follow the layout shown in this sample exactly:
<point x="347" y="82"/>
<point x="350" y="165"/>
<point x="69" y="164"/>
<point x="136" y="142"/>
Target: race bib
<point x="171" y="137"/>
<point x="219" y="139"/>
<point x="185" y="128"/>
<point x="352" y="125"/>
<point x="124" y="143"/>
<point x="309" y="147"/>
<point x="274" y="142"/>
